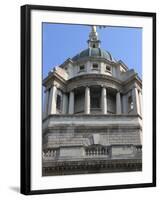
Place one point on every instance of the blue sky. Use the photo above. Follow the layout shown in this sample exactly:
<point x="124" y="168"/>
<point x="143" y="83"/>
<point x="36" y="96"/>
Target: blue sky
<point x="62" y="41"/>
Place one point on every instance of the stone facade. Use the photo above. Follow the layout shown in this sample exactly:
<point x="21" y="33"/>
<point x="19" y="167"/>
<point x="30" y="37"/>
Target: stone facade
<point x="92" y="119"/>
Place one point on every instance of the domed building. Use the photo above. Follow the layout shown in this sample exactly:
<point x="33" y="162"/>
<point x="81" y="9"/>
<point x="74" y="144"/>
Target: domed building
<point x="92" y="119"/>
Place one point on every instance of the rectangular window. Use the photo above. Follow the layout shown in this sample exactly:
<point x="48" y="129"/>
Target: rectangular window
<point x="81" y="68"/>
<point x="108" y="68"/>
<point x="95" y="66"/>
<point x="130" y="103"/>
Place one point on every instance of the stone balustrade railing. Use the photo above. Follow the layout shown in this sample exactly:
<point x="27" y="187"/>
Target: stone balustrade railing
<point x="50" y="154"/>
<point x="96" y="152"/>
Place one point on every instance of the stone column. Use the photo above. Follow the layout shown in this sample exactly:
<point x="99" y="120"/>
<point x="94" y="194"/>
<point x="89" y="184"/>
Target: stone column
<point x="46" y="103"/>
<point x="71" y="102"/>
<point x="87" y="101"/>
<point x="118" y="103"/>
<point x="52" y="100"/>
<point x="140" y="101"/>
<point x="104" y="100"/>
<point x="135" y="96"/>
<point x="65" y="103"/>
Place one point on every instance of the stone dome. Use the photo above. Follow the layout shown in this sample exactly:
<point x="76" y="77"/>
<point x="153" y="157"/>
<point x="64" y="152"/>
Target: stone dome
<point x="94" y="52"/>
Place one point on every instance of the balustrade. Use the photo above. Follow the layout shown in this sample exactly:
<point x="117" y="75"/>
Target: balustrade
<point x="50" y="154"/>
<point x="96" y="151"/>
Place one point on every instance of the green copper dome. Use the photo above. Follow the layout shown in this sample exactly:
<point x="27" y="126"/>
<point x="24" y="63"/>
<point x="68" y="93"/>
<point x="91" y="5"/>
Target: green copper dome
<point x="94" y="52"/>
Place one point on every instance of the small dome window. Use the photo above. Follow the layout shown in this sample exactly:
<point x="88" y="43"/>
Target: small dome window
<point x="95" y="66"/>
<point x="108" y="68"/>
<point x="81" y="68"/>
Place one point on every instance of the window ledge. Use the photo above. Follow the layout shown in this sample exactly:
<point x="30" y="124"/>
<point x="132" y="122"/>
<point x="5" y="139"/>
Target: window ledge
<point x="96" y="69"/>
<point x="108" y="71"/>
<point x="82" y="71"/>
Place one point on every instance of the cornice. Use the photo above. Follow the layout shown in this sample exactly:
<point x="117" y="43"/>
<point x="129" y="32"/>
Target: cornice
<point x="98" y="76"/>
<point x="92" y="58"/>
<point x="92" y="80"/>
<point x="53" y="76"/>
<point x="134" y="78"/>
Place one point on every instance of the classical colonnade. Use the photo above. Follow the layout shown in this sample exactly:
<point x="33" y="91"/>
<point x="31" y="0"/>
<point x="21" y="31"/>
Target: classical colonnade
<point x="68" y="103"/>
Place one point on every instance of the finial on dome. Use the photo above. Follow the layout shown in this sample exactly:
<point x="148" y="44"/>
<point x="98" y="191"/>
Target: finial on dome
<point x="93" y="41"/>
<point x="93" y="28"/>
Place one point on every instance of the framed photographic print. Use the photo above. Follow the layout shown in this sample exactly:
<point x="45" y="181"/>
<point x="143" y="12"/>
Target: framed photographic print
<point x="88" y="99"/>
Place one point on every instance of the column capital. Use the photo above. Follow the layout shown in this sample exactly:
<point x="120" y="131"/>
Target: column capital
<point x="103" y="86"/>
<point x="134" y="87"/>
<point x="54" y="85"/>
<point x="72" y="90"/>
<point x="87" y="86"/>
<point x="118" y="91"/>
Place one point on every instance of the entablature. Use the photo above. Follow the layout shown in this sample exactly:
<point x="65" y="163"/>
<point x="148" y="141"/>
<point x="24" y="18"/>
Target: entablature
<point x="93" y="80"/>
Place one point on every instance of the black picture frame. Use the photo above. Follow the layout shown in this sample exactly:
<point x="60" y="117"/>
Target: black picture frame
<point x="26" y="98"/>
